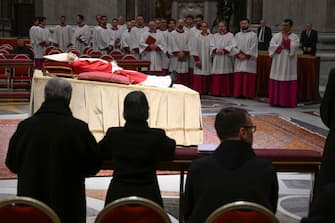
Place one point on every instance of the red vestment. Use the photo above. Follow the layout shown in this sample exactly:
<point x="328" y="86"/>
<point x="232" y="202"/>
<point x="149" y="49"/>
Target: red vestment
<point x="80" y="66"/>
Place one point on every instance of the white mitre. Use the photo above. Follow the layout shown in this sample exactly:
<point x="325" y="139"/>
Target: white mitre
<point x="61" y="57"/>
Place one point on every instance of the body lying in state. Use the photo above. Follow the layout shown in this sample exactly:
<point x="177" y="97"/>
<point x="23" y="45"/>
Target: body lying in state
<point x="81" y="65"/>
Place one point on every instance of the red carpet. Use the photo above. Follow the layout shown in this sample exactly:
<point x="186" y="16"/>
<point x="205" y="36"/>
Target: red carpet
<point x="7" y="128"/>
<point x="272" y="132"/>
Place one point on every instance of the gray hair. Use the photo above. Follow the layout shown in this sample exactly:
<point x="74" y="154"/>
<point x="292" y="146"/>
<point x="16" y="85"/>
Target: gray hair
<point x="58" y="88"/>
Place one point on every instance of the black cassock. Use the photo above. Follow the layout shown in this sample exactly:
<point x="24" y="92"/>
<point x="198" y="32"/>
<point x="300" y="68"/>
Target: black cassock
<point x="52" y="153"/>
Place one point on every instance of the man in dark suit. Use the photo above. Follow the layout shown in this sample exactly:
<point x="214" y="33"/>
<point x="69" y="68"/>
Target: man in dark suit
<point x="52" y="152"/>
<point x="309" y="39"/>
<point x="264" y="34"/>
<point x="232" y="172"/>
<point x="21" y="48"/>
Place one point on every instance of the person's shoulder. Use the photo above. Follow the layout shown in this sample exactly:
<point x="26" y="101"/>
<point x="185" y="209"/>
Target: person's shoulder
<point x="162" y="33"/>
<point x="230" y="34"/>
<point x="331" y="77"/>
<point x="27" y="122"/>
<point x="114" y="131"/>
<point x="76" y="122"/>
<point x="157" y="131"/>
<point x="33" y="27"/>
<point x="216" y="34"/>
<point x="262" y="163"/>
<point x="277" y="35"/>
<point x="226" y="35"/>
<point x="201" y="163"/>
<point x="295" y="36"/>
<point x="252" y="33"/>
<point x="134" y="29"/>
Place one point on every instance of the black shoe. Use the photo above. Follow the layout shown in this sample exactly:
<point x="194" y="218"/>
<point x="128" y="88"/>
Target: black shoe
<point x="173" y="76"/>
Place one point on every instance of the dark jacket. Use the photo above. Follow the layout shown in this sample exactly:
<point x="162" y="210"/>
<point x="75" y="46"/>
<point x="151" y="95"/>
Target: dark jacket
<point x="327" y="112"/>
<point x="135" y="151"/>
<point x="266" y="40"/>
<point x="327" y="108"/>
<point x="310" y="41"/>
<point x="231" y="173"/>
<point x="23" y="50"/>
<point x="323" y="208"/>
<point x="52" y="153"/>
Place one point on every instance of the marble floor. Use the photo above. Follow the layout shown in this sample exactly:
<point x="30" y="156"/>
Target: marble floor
<point x="294" y="190"/>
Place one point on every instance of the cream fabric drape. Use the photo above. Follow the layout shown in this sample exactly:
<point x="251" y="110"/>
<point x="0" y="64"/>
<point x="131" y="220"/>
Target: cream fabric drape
<point x="177" y="110"/>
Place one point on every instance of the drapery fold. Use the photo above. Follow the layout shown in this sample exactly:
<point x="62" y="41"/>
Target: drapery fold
<point x="177" y="110"/>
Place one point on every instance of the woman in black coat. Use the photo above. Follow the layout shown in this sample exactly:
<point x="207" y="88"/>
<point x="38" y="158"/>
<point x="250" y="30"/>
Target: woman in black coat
<point x="135" y="151"/>
<point x="327" y="111"/>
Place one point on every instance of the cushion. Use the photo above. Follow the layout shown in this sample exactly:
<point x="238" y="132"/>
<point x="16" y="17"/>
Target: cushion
<point x="132" y="213"/>
<point x="26" y="214"/>
<point x="236" y="216"/>
<point x="105" y="77"/>
<point x="56" y="67"/>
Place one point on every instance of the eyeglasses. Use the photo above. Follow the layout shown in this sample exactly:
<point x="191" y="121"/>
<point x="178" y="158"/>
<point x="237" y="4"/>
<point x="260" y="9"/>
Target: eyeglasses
<point x="252" y="127"/>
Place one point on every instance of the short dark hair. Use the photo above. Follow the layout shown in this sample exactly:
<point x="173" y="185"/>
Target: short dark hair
<point x="42" y="19"/>
<point x="229" y="121"/>
<point x="172" y="20"/>
<point x="190" y="16"/>
<point x="140" y="15"/>
<point x="289" y="21"/>
<point x="200" y="16"/>
<point x="136" y="107"/>
<point x="81" y="17"/>
<point x="223" y="21"/>
<point x="245" y="19"/>
<point x="115" y="19"/>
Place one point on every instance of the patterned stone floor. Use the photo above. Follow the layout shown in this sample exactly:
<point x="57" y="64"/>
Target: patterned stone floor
<point x="294" y="187"/>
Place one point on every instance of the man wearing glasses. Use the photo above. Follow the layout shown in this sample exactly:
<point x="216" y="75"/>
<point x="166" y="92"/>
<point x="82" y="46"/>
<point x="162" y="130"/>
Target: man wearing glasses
<point x="283" y="75"/>
<point x="232" y="172"/>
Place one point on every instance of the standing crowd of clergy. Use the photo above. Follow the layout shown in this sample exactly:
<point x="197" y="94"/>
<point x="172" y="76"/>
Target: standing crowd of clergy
<point x="219" y="64"/>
